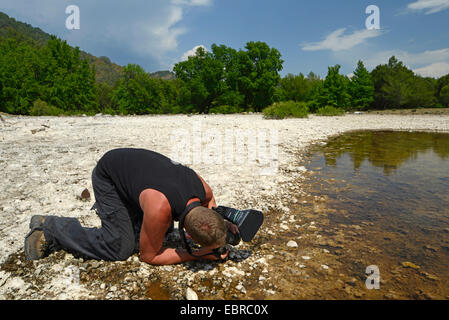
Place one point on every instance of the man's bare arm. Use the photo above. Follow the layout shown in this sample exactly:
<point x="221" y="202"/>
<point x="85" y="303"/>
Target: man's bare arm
<point x="156" y="221"/>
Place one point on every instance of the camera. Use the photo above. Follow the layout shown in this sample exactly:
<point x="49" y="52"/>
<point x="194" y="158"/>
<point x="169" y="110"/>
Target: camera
<point x="247" y="221"/>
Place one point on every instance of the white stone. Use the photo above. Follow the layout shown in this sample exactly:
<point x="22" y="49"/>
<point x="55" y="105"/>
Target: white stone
<point x="191" y="295"/>
<point x="241" y="288"/>
<point x="292" y="244"/>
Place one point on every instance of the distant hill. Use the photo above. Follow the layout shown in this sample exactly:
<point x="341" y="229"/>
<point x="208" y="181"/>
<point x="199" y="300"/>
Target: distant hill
<point x="10" y="28"/>
<point x="106" y="71"/>
<point x="165" y="75"/>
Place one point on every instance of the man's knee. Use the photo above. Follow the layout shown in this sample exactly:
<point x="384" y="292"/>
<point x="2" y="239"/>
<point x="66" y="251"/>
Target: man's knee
<point x="127" y="249"/>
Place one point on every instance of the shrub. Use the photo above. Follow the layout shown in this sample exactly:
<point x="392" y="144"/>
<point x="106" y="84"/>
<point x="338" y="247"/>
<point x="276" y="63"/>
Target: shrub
<point x="330" y="111"/>
<point x="284" y="109"/>
<point x="225" y="109"/>
<point x="41" y="108"/>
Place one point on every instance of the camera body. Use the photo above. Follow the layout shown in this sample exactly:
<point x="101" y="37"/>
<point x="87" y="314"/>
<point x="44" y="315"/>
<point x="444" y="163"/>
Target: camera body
<point x="247" y="221"/>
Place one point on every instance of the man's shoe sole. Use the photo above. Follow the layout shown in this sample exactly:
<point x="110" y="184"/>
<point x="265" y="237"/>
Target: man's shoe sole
<point x="31" y="243"/>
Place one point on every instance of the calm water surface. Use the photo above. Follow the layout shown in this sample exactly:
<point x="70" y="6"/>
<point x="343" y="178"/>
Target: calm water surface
<point x="397" y="182"/>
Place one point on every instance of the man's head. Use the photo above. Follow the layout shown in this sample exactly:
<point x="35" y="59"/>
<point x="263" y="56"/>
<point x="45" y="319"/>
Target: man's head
<point x="206" y="227"/>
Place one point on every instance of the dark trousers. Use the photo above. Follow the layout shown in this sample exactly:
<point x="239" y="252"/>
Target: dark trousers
<point x="118" y="237"/>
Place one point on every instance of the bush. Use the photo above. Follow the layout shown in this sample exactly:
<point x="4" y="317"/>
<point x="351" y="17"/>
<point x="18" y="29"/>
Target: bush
<point x="41" y="108"/>
<point x="330" y="111"/>
<point x="281" y="110"/>
<point x="225" y="109"/>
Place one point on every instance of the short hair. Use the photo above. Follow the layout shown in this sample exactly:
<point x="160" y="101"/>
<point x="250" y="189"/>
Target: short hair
<point x="206" y="227"/>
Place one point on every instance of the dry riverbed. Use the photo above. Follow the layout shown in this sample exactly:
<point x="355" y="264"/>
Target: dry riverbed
<point x="46" y="163"/>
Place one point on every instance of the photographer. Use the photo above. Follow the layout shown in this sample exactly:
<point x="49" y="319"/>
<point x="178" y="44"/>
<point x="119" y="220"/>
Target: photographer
<point x="138" y="193"/>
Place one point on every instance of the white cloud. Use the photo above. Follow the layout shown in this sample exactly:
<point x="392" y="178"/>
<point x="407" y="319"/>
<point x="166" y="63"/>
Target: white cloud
<point x="338" y="41"/>
<point x="191" y="52"/>
<point x="430" y="6"/>
<point x="140" y="31"/>
<point x="193" y="2"/>
<point x="161" y="37"/>
<point x="429" y="63"/>
<point x="435" y="70"/>
<point x="415" y="59"/>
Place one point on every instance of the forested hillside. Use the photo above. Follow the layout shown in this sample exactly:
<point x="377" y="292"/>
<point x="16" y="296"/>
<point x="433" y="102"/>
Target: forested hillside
<point x="106" y="71"/>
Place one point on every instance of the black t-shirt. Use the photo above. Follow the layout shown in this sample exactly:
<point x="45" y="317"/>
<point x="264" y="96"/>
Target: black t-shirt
<point x="133" y="170"/>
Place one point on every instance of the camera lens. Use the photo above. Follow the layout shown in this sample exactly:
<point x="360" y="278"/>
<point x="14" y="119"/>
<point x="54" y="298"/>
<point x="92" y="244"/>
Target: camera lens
<point x="232" y="239"/>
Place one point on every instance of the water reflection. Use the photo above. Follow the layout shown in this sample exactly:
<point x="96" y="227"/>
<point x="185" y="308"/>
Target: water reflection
<point x="398" y="182"/>
<point x="385" y="149"/>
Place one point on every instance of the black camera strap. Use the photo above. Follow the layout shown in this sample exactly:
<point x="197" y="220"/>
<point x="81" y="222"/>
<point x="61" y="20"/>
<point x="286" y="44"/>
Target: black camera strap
<point x="183" y="235"/>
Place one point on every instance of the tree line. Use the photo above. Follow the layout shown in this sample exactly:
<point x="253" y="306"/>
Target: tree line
<point x="54" y="79"/>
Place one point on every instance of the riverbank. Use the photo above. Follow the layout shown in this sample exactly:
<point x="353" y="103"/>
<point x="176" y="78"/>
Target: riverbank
<point x="46" y="163"/>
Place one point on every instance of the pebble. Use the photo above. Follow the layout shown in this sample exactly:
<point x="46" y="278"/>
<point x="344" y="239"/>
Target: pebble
<point x="305" y="257"/>
<point x="241" y="288"/>
<point x="85" y="195"/>
<point x="292" y="244"/>
<point x="352" y="282"/>
<point x="408" y="264"/>
<point x="191" y="295"/>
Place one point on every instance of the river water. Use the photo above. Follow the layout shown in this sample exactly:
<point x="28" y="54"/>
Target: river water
<point x="394" y="186"/>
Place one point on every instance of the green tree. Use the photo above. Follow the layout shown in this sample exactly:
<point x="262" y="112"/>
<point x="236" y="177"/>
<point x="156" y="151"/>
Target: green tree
<point x="361" y="87"/>
<point x="136" y="92"/>
<point x="20" y="69"/>
<point x="295" y="88"/>
<point x="259" y="74"/>
<point x="392" y="85"/>
<point x="104" y="98"/>
<point x="444" y="95"/>
<point x="203" y="76"/>
<point x="230" y="94"/>
<point x="335" y="89"/>
<point x="68" y="82"/>
<point x="422" y="93"/>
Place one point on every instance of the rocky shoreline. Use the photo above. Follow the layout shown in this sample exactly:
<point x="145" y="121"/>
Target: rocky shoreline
<point x="47" y="162"/>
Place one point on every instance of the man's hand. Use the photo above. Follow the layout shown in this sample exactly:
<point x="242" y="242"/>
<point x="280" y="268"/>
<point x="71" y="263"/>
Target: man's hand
<point x="234" y="229"/>
<point x="210" y="256"/>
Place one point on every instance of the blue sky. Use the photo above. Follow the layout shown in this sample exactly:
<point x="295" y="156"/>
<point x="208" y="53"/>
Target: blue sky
<point x="311" y="35"/>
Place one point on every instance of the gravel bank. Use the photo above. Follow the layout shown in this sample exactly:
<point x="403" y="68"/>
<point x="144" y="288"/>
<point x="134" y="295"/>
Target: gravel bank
<point x="46" y="163"/>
